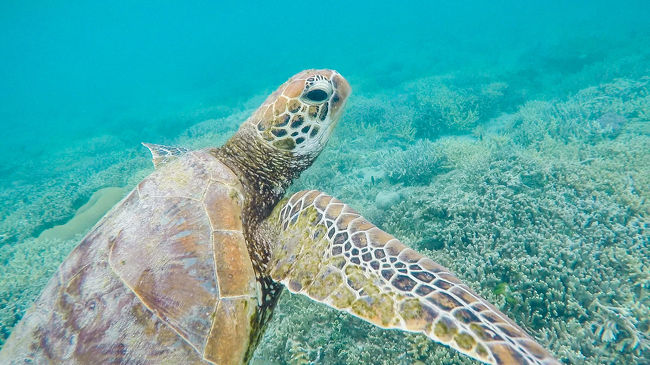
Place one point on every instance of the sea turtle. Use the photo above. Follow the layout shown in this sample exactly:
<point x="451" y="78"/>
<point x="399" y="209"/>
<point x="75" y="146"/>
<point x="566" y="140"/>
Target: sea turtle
<point x="188" y="267"/>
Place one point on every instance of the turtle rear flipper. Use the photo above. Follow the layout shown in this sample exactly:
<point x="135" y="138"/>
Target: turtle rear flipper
<point x="327" y="251"/>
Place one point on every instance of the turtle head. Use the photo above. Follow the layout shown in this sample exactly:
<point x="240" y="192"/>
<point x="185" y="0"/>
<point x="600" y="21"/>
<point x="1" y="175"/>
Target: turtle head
<point x="300" y="115"/>
<point x="286" y="134"/>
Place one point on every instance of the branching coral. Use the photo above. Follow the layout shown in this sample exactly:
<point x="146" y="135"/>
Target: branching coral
<point x="415" y="165"/>
<point x="618" y="326"/>
<point x="589" y="116"/>
<point x="455" y="110"/>
<point x="452" y="104"/>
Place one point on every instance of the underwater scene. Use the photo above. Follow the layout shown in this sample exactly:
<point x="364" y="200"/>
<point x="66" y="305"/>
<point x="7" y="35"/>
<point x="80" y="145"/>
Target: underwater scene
<point x="508" y="141"/>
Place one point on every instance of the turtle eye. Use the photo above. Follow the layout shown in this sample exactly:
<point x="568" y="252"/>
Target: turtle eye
<point x="317" y="90"/>
<point x="317" y="95"/>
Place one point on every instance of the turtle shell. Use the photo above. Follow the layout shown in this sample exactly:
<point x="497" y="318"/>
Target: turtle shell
<point x="165" y="276"/>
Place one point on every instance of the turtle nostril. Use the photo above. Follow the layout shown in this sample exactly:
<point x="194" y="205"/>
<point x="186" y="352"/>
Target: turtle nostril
<point x="317" y="95"/>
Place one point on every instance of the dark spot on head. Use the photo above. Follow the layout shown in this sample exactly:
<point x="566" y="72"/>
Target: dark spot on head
<point x="337" y="250"/>
<point x="300" y="140"/>
<point x="400" y="265"/>
<point x="348" y="246"/>
<point x="380" y="253"/>
<point x="297" y="121"/>
<point x="355" y="251"/>
<point x="294" y="105"/>
<point x="366" y="256"/>
<point x="313" y="111"/>
<point x="282" y="120"/>
<point x="330" y="233"/>
<point x="305" y="129"/>
<point x="314" y="131"/>
<point x="415" y="267"/>
<point x="374" y="265"/>
<point x="279" y="132"/>
<point x="355" y="260"/>
<point x="285" y="144"/>
<point x="294" y="134"/>
<point x="323" y="112"/>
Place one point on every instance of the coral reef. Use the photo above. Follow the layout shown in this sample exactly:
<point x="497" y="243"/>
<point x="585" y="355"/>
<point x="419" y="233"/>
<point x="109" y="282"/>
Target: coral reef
<point x="453" y="104"/>
<point x="591" y="115"/>
<point x="541" y="204"/>
<point x="415" y="165"/>
<point x="44" y="193"/>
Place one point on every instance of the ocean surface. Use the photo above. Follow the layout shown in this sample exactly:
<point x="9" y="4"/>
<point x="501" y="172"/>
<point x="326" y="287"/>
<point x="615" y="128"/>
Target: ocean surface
<point x="507" y="140"/>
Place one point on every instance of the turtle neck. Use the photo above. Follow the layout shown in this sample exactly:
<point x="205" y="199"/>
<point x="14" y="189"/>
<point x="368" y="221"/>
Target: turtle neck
<point x="265" y="171"/>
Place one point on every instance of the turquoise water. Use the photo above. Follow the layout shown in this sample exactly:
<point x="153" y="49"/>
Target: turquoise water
<point x="508" y="140"/>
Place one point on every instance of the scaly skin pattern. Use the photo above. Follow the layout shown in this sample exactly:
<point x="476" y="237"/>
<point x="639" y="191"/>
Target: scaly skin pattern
<point x="165" y="277"/>
<point x="286" y="121"/>
<point x="327" y="251"/>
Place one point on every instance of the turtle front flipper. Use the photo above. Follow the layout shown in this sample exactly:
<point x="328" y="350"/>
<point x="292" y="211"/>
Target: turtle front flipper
<point x="327" y="251"/>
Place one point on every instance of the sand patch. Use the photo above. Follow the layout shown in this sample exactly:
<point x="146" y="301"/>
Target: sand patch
<point x="87" y="215"/>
